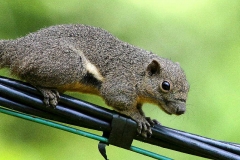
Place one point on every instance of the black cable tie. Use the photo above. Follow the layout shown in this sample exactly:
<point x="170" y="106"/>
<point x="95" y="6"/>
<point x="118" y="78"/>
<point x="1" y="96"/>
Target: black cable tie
<point x="122" y="134"/>
<point x="123" y="131"/>
<point x="102" y="149"/>
<point x="102" y="146"/>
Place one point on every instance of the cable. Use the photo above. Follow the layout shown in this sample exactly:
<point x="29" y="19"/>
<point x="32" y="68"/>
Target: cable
<point x="22" y="97"/>
<point x="78" y="132"/>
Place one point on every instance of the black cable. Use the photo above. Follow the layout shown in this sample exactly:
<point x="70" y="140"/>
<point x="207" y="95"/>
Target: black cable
<point x="22" y="97"/>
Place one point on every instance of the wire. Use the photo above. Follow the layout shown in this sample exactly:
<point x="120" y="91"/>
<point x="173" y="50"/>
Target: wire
<point x="120" y="131"/>
<point x="78" y="132"/>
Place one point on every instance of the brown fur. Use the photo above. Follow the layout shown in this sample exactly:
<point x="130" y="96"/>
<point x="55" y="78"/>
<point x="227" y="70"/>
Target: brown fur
<point x="91" y="60"/>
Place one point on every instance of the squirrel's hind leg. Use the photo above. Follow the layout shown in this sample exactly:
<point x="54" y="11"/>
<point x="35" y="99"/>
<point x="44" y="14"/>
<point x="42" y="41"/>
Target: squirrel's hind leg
<point x="51" y="96"/>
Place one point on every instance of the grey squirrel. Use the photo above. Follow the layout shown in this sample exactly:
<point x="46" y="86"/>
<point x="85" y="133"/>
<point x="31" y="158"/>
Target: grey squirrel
<point x="91" y="60"/>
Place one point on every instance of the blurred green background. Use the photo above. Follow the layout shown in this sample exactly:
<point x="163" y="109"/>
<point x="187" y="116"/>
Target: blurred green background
<point x="204" y="36"/>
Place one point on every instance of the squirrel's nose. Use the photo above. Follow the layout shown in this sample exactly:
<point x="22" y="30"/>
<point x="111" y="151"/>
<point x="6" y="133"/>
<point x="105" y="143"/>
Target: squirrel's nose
<point x="180" y="111"/>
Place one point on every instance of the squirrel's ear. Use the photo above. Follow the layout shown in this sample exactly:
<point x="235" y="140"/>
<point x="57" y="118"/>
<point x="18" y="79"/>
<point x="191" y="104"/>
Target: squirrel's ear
<point x="153" y="68"/>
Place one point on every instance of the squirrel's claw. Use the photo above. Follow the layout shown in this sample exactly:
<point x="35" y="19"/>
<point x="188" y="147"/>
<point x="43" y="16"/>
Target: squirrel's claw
<point x="152" y="122"/>
<point x="144" y="128"/>
<point x="51" y="97"/>
<point x="143" y="124"/>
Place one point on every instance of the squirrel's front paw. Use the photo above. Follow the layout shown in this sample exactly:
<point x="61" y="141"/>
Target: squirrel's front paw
<point x="144" y="127"/>
<point x="51" y="97"/>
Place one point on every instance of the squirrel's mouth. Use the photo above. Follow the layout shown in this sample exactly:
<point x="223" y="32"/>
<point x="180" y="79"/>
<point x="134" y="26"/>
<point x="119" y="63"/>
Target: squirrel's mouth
<point x="166" y="111"/>
<point x="173" y="107"/>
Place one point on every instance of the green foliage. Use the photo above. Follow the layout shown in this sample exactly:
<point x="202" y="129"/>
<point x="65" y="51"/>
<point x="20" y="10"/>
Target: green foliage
<point x="202" y="35"/>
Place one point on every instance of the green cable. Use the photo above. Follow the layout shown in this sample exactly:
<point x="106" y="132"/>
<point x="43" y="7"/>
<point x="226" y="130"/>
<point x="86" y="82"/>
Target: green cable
<point x="78" y="132"/>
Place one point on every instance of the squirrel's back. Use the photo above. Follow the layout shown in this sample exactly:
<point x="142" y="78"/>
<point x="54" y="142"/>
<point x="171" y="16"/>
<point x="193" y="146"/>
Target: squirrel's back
<point x="102" y="49"/>
<point x="99" y="46"/>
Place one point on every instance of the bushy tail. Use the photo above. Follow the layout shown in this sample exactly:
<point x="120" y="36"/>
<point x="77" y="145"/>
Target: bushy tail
<point x="2" y="46"/>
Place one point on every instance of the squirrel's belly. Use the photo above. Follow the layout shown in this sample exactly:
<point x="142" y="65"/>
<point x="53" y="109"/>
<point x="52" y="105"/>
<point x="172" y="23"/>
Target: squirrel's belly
<point x="79" y="87"/>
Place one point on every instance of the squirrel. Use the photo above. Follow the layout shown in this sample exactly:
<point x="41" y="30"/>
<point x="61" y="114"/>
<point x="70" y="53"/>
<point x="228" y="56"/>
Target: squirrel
<point x="88" y="59"/>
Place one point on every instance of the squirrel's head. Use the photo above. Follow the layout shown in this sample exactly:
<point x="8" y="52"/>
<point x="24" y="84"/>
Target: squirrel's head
<point x="166" y="85"/>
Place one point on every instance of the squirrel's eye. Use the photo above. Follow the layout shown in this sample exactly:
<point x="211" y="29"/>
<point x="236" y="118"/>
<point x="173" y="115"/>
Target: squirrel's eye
<point x="165" y="86"/>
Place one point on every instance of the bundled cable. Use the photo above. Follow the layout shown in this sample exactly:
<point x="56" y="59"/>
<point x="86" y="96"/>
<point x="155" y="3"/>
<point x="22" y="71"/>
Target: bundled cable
<point x="117" y="129"/>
